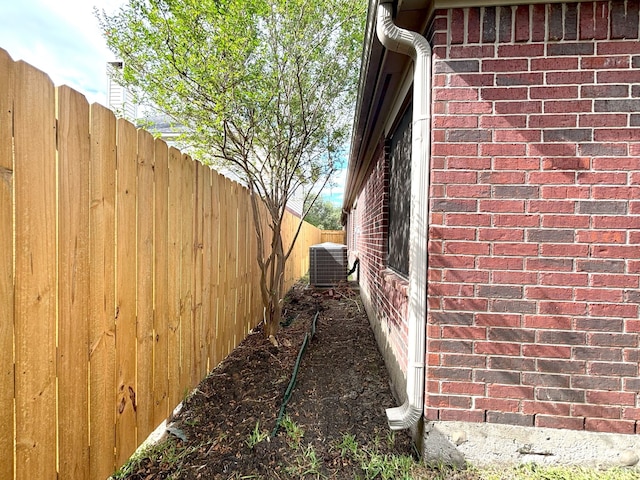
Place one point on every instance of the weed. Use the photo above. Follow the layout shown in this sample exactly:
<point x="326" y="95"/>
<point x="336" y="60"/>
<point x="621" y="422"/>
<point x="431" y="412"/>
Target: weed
<point x="191" y="422"/>
<point x="256" y="436"/>
<point x="168" y="454"/>
<point x="348" y="445"/>
<point x="533" y="471"/>
<point x="293" y="431"/>
<point x="374" y="464"/>
<point x="185" y="394"/>
<point x="443" y="471"/>
<point x="306" y="463"/>
<point x="391" y="438"/>
<point x="387" y="467"/>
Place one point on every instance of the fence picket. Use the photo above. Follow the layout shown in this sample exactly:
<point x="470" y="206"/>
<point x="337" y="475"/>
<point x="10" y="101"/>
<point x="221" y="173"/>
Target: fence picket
<point x="127" y="272"/>
<point x="174" y="262"/>
<point x="144" y="284"/>
<point x="73" y="283"/>
<point x="225" y="225"/>
<point x="231" y="272"/>
<point x="187" y="311"/>
<point x="199" y="361"/>
<point x="334" y="236"/>
<point x="126" y="280"/>
<point x="205" y="333"/>
<point x="35" y="273"/>
<point x="102" y="326"/>
<point x="6" y="264"/>
<point x="161" y="284"/>
<point x="214" y="349"/>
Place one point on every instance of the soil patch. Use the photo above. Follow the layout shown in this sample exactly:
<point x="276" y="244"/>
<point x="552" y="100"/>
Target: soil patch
<point x="335" y="423"/>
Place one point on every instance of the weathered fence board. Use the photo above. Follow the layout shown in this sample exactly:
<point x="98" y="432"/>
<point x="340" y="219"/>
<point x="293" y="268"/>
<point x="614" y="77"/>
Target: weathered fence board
<point x="127" y="272"/>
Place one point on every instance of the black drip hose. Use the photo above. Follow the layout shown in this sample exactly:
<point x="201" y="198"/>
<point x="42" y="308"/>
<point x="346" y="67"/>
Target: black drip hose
<point x="287" y="394"/>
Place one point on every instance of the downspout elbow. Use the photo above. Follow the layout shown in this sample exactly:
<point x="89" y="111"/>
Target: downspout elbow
<point x="398" y="39"/>
<point x="404" y="416"/>
<point x="416" y="46"/>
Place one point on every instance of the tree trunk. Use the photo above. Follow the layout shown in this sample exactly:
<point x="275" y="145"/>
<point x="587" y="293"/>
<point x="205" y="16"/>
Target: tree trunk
<point x="274" y="286"/>
<point x="274" y="315"/>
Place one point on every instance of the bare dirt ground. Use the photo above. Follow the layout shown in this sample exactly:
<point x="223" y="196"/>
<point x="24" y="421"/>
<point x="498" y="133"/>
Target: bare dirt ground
<point x="335" y="424"/>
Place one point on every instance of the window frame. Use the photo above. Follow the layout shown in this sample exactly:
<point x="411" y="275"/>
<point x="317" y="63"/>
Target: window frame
<point x="398" y="159"/>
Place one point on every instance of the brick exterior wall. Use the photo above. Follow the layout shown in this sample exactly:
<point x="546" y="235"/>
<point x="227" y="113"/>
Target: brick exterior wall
<point x="535" y="217"/>
<point x="383" y="291"/>
<point x="534" y="261"/>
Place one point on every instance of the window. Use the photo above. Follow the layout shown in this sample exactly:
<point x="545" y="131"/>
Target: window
<point x="399" y="156"/>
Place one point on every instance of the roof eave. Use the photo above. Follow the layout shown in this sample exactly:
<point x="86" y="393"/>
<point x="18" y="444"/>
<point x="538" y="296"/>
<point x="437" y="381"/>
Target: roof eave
<point x="381" y="73"/>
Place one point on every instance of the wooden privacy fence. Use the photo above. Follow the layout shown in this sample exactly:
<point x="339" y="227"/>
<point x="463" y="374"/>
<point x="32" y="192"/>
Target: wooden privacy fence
<point x="334" y="236"/>
<point x="127" y="273"/>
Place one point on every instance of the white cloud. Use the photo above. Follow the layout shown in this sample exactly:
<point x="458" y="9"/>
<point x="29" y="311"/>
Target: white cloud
<point x="62" y="39"/>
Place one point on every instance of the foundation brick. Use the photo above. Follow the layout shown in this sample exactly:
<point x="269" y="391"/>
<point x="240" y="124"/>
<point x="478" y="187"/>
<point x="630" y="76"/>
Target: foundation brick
<point x="612" y="426"/>
<point x="510" y="418"/>
<point x="555" y="421"/>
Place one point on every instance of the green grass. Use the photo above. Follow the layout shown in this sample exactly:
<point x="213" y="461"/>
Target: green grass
<point x="539" y="472"/>
<point x="168" y="454"/>
<point x="372" y="462"/>
<point x="256" y="436"/>
<point x="305" y="463"/>
<point x="348" y="446"/>
<point x="293" y="431"/>
<point x="376" y="465"/>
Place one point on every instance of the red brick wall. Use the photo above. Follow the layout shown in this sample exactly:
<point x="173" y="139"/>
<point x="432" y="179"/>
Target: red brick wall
<point x="383" y="290"/>
<point x="535" y="217"/>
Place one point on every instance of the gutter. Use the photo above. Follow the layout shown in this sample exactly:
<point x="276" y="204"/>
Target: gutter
<point x="416" y="46"/>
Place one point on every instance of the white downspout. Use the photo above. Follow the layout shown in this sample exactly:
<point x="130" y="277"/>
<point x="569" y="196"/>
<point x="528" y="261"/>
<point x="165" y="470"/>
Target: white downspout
<point x="416" y="46"/>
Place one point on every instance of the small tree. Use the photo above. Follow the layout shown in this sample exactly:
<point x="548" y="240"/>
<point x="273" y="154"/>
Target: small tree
<point x="264" y="88"/>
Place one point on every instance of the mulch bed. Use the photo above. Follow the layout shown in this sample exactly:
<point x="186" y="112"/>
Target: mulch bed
<point x="342" y="389"/>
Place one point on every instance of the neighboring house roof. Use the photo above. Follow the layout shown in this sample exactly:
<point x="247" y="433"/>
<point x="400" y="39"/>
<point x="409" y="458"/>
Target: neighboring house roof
<point x="382" y="78"/>
<point x="161" y="124"/>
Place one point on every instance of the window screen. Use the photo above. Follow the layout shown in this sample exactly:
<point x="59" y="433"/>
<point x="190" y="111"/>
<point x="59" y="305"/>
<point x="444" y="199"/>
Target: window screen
<point x="400" y="195"/>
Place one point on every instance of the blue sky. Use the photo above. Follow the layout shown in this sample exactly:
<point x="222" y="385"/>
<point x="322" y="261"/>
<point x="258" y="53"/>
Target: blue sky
<point x="63" y="39"/>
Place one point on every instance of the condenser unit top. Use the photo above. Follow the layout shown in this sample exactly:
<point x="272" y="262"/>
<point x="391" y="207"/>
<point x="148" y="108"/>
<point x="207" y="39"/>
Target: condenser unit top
<point x="328" y="264"/>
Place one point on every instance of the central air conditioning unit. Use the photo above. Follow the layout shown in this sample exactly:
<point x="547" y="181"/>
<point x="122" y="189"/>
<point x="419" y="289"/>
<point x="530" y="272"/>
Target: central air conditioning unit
<point x="328" y="264"/>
